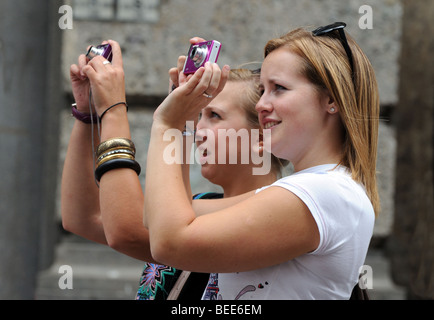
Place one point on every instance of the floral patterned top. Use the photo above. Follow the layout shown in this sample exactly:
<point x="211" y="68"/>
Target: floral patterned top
<point x="157" y="281"/>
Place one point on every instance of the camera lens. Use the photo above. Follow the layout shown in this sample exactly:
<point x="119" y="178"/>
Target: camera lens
<point x="198" y="55"/>
<point x="193" y="53"/>
<point x="93" y="52"/>
<point x="101" y="50"/>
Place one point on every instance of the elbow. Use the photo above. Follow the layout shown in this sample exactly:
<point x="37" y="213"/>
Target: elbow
<point x="162" y="252"/>
<point x="118" y="241"/>
<point x="167" y="251"/>
<point x="72" y="220"/>
<point x="69" y="225"/>
<point x="126" y="240"/>
<point x="79" y="229"/>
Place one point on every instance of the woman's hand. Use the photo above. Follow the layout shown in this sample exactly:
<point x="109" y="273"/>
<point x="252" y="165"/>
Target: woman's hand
<point x="106" y="80"/>
<point x="185" y="102"/>
<point x="176" y="76"/>
<point x="80" y="84"/>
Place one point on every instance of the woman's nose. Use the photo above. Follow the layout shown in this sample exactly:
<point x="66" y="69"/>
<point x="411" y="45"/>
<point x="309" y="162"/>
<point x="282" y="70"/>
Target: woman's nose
<point x="201" y="132"/>
<point x="263" y="105"/>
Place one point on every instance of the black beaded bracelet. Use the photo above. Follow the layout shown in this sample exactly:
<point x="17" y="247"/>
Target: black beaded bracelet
<point x="117" y="164"/>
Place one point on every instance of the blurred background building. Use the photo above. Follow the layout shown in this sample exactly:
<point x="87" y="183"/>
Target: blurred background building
<point x="40" y="39"/>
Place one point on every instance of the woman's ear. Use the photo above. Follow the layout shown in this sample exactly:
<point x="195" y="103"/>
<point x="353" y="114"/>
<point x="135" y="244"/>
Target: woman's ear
<point x="330" y="104"/>
<point x="333" y="109"/>
<point x="258" y="145"/>
<point x="261" y="148"/>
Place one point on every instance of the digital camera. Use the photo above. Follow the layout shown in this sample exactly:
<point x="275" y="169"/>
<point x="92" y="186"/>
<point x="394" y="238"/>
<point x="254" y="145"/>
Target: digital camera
<point x="104" y="50"/>
<point x="200" y="53"/>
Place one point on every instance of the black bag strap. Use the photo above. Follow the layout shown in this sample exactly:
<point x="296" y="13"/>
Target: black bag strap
<point x="208" y="195"/>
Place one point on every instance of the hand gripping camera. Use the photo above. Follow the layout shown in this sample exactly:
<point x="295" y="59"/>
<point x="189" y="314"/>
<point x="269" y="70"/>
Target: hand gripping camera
<point x="200" y="53"/>
<point x="104" y="50"/>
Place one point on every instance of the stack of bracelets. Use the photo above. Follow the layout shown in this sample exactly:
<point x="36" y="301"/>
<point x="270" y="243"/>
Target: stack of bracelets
<point x="115" y="154"/>
<point x="112" y="154"/>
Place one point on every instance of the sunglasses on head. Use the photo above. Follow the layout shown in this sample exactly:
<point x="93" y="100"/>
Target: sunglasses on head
<point x="337" y="26"/>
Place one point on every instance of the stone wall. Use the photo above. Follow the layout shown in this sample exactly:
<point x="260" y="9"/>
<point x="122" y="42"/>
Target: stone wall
<point x="243" y="27"/>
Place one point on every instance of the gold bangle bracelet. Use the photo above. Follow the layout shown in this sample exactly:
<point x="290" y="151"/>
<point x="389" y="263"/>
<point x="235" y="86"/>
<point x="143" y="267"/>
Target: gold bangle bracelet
<point x="116" y="150"/>
<point x="115" y="156"/>
<point x="115" y="143"/>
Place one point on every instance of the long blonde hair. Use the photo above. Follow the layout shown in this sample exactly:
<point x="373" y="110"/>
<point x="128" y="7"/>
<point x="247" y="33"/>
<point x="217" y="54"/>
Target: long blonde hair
<point x="326" y="65"/>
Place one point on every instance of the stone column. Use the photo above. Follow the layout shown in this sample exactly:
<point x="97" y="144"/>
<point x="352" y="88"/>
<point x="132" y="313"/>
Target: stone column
<point x="29" y="58"/>
<point x="412" y="241"/>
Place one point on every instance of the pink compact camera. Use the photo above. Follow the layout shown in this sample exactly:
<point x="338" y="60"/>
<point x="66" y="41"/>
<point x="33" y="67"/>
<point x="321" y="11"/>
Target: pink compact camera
<point x="200" y="53"/>
<point x="104" y="50"/>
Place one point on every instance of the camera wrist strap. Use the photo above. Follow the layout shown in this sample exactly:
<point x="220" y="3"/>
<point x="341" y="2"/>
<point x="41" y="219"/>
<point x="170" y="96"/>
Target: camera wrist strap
<point x="91" y="110"/>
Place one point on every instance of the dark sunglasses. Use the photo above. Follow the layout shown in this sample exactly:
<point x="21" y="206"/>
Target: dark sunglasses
<point x="256" y="71"/>
<point x="339" y="26"/>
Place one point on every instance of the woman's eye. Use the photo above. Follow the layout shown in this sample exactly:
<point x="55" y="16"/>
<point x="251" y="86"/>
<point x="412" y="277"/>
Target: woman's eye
<point x="215" y="115"/>
<point x="279" y="87"/>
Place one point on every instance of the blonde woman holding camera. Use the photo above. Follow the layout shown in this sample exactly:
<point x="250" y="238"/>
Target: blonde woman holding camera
<point x="306" y="235"/>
